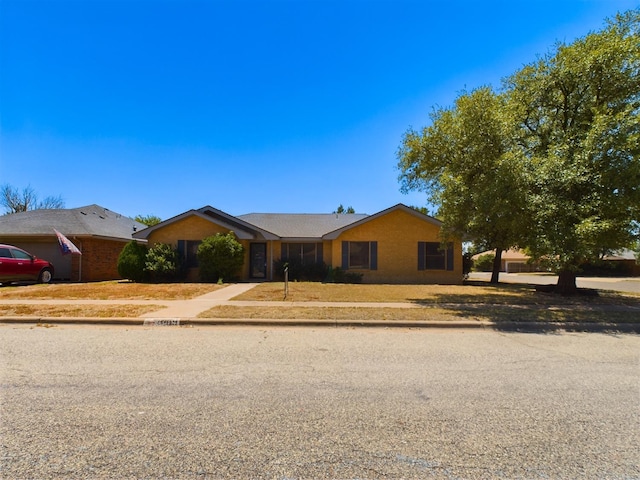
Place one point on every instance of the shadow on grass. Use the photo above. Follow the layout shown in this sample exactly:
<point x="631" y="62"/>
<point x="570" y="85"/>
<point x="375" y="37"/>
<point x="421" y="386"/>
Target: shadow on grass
<point x="524" y="308"/>
<point x="482" y="292"/>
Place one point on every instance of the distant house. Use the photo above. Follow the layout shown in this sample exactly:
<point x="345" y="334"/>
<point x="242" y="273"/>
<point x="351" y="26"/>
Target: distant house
<point x="512" y="261"/>
<point x="622" y="262"/>
<point x="396" y="245"/>
<point x="99" y="233"/>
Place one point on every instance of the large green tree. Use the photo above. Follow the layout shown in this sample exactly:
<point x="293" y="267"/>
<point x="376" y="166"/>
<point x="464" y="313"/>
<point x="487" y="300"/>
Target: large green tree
<point x="575" y="111"/>
<point x="463" y="161"/>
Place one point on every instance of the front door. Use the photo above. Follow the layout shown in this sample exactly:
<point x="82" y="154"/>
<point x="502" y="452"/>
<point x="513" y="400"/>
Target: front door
<point x="258" y="253"/>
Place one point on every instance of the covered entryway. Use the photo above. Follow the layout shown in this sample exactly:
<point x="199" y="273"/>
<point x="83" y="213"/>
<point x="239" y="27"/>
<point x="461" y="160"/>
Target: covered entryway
<point x="258" y="256"/>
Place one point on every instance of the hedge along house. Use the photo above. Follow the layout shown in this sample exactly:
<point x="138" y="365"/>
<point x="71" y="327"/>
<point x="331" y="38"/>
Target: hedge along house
<point x="396" y="245"/>
<point x="99" y="233"/>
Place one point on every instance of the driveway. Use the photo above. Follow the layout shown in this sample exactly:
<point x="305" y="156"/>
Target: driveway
<point x="620" y="284"/>
<point x="287" y="403"/>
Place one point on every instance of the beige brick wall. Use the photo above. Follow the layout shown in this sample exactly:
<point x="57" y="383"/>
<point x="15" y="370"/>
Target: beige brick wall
<point x="190" y="228"/>
<point x="398" y="234"/>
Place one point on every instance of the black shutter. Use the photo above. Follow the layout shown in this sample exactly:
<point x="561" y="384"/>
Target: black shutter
<point x="450" y="256"/>
<point x="283" y="251"/>
<point x="345" y="255"/>
<point x="373" y="261"/>
<point x="319" y="252"/>
<point x="182" y="249"/>
<point x="422" y="259"/>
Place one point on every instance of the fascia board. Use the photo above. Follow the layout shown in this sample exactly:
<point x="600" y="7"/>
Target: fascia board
<point x="301" y="239"/>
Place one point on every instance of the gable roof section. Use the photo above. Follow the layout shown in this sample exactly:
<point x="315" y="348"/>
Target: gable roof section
<point x="336" y="233"/>
<point x="242" y="229"/>
<point x="301" y="226"/>
<point x="285" y="226"/>
<point x="91" y="220"/>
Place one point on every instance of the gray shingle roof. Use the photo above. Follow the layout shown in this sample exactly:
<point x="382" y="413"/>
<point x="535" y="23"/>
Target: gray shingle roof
<point x="92" y="220"/>
<point x="301" y="225"/>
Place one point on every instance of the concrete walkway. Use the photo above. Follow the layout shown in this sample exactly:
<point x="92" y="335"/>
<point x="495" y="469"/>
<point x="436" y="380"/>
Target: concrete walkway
<point x="193" y="307"/>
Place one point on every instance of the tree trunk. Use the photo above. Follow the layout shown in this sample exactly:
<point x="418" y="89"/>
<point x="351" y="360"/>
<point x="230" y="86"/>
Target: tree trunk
<point x="566" y="282"/>
<point x="497" y="263"/>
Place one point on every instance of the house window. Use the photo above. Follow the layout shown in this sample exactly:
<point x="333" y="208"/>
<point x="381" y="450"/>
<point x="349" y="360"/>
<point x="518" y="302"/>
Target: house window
<point x="188" y="251"/>
<point x="432" y="256"/>
<point x="305" y="253"/>
<point x="360" y="255"/>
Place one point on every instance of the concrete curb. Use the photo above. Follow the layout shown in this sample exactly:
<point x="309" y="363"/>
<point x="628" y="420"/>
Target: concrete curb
<point x="534" y="327"/>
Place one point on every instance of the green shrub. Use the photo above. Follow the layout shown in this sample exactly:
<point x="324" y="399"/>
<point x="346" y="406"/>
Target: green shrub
<point x="298" y="271"/>
<point x="220" y="257"/>
<point x="162" y="263"/>
<point x="484" y="263"/>
<point x="338" y="275"/>
<point x="131" y="262"/>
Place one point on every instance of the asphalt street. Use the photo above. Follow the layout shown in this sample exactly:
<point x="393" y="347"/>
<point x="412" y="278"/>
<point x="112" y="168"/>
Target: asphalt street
<point x="290" y="403"/>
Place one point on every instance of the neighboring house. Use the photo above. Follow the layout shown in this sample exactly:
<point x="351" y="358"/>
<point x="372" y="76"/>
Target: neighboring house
<point x="622" y="262"/>
<point x="512" y="261"/>
<point x="100" y="234"/>
<point x="396" y="245"/>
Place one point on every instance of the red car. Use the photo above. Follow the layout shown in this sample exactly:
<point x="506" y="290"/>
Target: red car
<point x="16" y="265"/>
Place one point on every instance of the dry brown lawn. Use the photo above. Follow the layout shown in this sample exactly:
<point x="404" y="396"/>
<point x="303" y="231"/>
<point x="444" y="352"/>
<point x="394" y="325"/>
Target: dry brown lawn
<point x="97" y="311"/>
<point x="497" y="314"/>
<point x="479" y="301"/>
<point x="478" y="293"/>
<point x="115" y="290"/>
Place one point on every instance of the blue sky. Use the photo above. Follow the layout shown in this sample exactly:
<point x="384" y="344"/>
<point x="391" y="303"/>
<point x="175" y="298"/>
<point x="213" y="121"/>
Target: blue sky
<point x="156" y="107"/>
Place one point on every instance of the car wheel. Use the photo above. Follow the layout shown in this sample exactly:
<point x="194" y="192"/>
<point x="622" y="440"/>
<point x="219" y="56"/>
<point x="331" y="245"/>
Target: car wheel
<point x="45" y="276"/>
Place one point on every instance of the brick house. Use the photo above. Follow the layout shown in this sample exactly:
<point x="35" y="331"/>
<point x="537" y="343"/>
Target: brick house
<point x="99" y="233"/>
<point x="396" y="245"/>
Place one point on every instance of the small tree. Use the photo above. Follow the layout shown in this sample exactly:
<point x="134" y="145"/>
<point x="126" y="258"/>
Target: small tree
<point x="341" y="209"/>
<point x="148" y="220"/>
<point x="16" y="201"/>
<point x="162" y="262"/>
<point x="220" y="257"/>
<point x="131" y="262"/>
